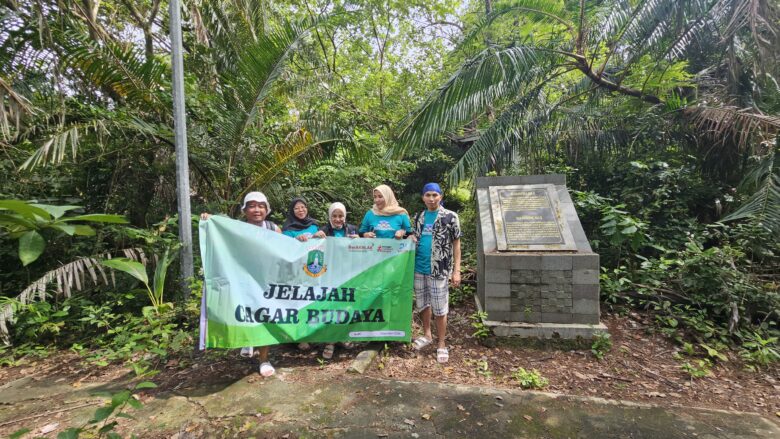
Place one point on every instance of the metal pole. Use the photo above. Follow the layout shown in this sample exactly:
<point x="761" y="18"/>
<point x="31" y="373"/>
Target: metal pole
<point x="182" y="165"/>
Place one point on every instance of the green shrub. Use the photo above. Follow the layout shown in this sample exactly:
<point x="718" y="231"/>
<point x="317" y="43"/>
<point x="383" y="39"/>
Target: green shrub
<point x="530" y="379"/>
<point x="481" y="330"/>
<point x="601" y="344"/>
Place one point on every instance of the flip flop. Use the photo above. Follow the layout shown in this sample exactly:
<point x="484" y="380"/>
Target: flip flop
<point x="442" y="355"/>
<point x="247" y="352"/>
<point x="266" y="369"/>
<point x="421" y="342"/>
<point x="327" y="353"/>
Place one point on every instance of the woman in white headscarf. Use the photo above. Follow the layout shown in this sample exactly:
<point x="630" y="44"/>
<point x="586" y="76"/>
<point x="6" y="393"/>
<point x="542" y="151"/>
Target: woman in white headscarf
<point x="337" y="225"/>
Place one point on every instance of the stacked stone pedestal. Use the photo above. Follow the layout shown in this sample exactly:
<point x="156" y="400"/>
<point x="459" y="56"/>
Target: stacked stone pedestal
<point x="535" y="288"/>
<point x="537" y="294"/>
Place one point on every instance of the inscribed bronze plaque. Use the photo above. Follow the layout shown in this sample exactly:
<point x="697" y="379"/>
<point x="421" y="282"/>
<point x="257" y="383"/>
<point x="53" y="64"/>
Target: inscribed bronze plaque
<point x="528" y="217"/>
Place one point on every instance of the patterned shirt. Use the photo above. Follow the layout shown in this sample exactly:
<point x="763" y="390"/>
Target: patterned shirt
<point x="446" y="229"/>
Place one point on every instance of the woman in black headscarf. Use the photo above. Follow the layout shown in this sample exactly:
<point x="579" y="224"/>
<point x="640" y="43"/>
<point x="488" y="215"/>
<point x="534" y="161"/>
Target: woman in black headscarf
<point x="299" y="224"/>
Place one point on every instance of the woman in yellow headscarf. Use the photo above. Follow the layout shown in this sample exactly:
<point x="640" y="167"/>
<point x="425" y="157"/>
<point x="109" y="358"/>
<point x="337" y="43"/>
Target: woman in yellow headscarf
<point x="386" y="219"/>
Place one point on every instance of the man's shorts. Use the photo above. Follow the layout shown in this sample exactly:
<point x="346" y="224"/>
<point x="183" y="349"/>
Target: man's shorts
<point x="433" y="292"/>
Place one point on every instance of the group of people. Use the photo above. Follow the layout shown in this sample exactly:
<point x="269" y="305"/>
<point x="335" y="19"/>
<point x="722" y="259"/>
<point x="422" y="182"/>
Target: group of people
<point x="435" y="229"/>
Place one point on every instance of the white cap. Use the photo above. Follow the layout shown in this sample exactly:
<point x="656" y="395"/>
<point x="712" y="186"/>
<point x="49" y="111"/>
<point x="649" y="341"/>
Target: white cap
<point x="256" y="196"/>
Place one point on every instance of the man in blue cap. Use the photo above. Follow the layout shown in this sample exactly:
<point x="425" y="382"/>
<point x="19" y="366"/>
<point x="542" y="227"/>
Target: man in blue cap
<point x="438" y="257"/>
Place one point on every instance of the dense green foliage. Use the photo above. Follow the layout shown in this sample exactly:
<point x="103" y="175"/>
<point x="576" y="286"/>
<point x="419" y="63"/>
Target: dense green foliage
<point x="661" y="250"/>
<point x="662" y="114"/>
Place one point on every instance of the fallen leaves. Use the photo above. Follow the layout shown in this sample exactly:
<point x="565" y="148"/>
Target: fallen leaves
<point x="581" y="376"/>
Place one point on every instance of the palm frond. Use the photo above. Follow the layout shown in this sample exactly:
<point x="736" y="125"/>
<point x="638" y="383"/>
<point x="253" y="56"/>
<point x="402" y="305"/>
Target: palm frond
<point x="121" y="69"/>
<point x="259" y="67"/>
<point x="12" y="107"/>
<point x="334" y="136"/>
<point x="655" y="26"/>
<point x="739" y="125"/>
<point x="651" y="16"/>
<point x="69" y="278"/>
<point x="614" y="21"/>
<point x="532" y="130"/>
<point x="498" y="143"/>
<point x="67" y="137"/>
<point x="537" y="10"/>
<point x="762" y="18"/>
<point x="491" y="76"/>
<point x="54" y="149"/>
<point x="764" y="204"/>
<point x="296" y="144"/>
<point x="703" y="20"/>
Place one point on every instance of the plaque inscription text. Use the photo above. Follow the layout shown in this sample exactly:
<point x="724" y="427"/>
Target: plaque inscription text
<point x="529" y="218"/>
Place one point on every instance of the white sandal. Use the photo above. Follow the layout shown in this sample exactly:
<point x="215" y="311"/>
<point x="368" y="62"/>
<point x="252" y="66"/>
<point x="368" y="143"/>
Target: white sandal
<point x="442" y="355"/>
<point x="266" y="369"/>
<point x="247" y="352"/>
<point x="421" y="342"/>
<point x="327" y="353"/>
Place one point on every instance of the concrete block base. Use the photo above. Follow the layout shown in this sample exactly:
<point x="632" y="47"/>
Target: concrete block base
<point x="568" y="331"/>
<point x="545" y="330"/>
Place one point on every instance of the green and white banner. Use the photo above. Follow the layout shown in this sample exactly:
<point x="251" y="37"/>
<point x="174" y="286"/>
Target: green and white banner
<point x="265" y="288"/>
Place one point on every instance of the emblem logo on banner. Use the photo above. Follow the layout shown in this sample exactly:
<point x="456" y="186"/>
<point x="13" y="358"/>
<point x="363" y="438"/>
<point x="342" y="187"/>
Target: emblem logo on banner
<point x="315" y="264"/>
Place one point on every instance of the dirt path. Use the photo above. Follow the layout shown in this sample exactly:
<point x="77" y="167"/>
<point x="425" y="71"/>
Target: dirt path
<point x="640" y="367"/>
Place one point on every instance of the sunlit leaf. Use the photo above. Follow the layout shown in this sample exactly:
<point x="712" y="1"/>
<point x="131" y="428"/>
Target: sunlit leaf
<point x="28" y="211"/>
<point x="98" y="218"/>
<point x="56" y="211"/>
<point x="31" y="245"/>
<point x="133" y="268"/>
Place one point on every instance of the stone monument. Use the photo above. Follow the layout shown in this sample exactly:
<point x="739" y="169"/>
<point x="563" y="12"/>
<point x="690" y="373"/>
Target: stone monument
<point x="538" y="276"/>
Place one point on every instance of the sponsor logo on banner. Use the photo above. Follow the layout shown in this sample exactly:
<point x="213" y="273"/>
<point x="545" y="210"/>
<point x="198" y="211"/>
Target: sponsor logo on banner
<point x="360" y="248"/>
<point x="315" y="264"/>
<point x="384" y="249"/>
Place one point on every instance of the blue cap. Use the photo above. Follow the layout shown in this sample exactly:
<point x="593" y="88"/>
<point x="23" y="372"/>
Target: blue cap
<point x="431" y="187"/>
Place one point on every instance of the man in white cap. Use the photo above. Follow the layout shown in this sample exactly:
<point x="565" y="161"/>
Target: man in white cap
<point x="256" y="209"/>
